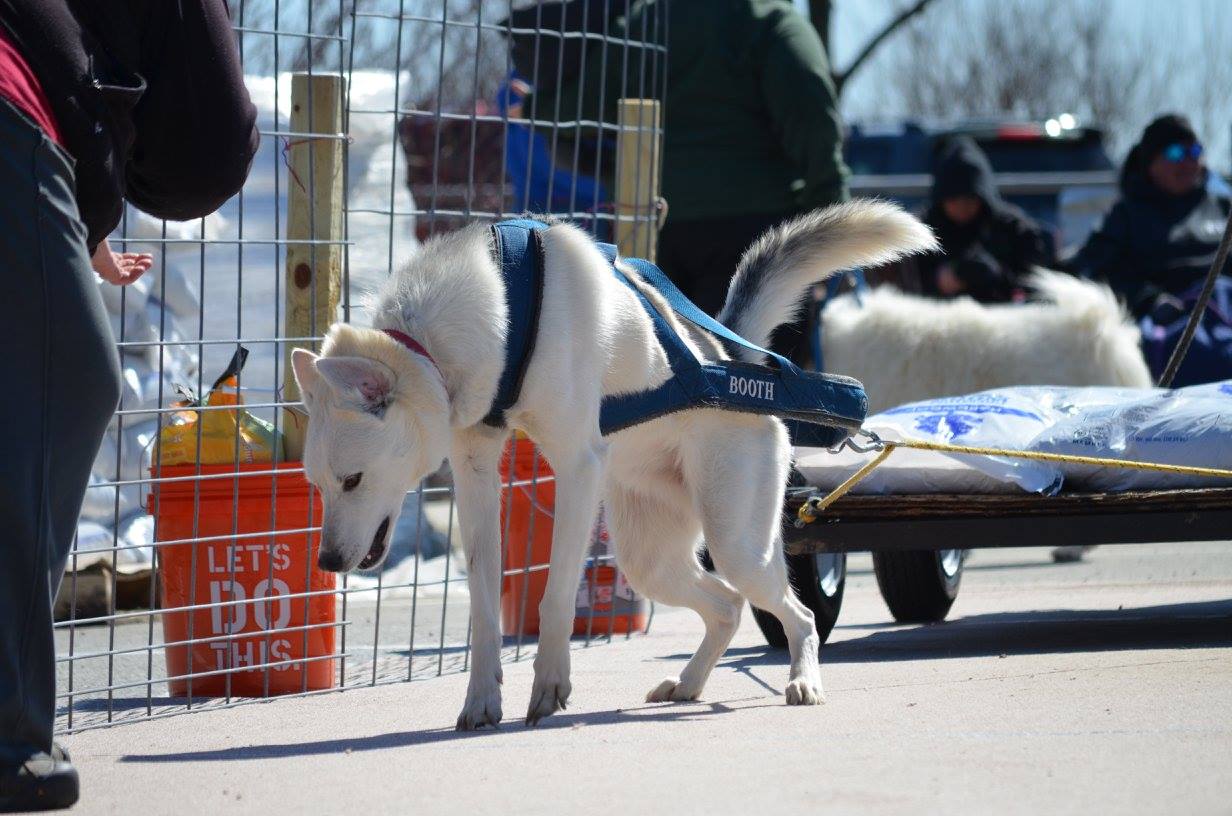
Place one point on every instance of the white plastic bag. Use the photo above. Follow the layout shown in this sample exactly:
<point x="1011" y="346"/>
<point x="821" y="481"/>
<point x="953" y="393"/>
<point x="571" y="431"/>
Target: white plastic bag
<point x="1188" y="426"/>
<point x="1003" y="418"/>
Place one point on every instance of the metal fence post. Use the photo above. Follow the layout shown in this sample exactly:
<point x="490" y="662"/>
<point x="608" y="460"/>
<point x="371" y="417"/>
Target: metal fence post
<point x="314" y="216"/>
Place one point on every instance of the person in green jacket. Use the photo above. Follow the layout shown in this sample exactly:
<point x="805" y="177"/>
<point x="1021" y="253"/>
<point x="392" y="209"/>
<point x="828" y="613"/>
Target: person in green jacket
<point x="752" y="134"/>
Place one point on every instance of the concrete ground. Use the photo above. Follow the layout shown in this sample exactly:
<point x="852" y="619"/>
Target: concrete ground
<point x="1097" y="687"/>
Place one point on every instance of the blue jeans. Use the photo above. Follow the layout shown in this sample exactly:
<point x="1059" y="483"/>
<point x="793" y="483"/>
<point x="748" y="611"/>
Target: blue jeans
<point x="59" y="385"/>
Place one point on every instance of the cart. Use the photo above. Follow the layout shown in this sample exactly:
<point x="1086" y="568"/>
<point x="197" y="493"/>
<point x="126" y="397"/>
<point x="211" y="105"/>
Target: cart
<point x="919" y="542"/>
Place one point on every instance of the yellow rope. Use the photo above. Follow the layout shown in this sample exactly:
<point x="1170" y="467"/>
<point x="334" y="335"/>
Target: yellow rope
<point x="809" y="511"/>
<point x="813" y="507"/>
<point x="1063" y="457"/>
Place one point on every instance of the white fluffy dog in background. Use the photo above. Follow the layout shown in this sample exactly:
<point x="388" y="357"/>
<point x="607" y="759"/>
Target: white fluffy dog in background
<point x="906" y="348"/>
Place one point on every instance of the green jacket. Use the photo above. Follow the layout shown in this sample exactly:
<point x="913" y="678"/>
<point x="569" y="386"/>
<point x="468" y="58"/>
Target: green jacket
<point x="751" y="119"/>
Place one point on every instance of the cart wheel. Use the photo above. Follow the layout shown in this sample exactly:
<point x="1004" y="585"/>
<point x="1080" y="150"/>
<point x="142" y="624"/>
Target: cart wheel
<point x="818" y="582"/>
<point x="919" y="586"/>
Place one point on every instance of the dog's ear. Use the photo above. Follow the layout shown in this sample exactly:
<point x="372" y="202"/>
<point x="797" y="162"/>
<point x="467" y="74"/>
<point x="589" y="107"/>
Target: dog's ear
<point x="303" y="363"/>
<point x="371" y="380"/>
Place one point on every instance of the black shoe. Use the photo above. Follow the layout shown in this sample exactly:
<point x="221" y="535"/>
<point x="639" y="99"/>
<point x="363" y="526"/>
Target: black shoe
<point x="42" y="782"/>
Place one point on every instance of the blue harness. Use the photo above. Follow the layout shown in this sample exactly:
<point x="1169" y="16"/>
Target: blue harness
<point x="821" y="409"/>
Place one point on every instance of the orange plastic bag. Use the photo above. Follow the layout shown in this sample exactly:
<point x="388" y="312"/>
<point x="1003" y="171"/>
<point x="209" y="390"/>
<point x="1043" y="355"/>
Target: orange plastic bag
<point x="226" y="437"/>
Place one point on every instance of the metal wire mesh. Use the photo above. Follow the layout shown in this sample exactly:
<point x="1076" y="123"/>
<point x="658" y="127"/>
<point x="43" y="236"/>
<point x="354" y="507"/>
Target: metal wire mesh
<point x="442" y="123"/>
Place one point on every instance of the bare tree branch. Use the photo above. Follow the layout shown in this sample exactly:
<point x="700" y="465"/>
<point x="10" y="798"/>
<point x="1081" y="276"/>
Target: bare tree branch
<point x="1036" y="59"/>
<point x="903" y="17"/>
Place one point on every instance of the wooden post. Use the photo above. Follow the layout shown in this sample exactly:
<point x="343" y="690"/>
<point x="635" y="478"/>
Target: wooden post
<point x="637" y="177"/>
<point x="314" y="213"/>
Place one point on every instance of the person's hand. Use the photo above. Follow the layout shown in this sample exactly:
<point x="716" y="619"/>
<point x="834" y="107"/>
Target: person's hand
<point x="948" y="283"/>
<point x="119" y="268"/>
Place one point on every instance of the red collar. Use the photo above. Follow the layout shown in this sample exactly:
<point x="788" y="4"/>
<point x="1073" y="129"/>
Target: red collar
<point x="414" y="345"/>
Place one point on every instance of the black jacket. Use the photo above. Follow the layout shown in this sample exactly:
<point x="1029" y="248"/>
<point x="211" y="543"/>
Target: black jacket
<point x="1151" y="243"/>
<point x="992" y="253"/>
<point x="149" y="98"/>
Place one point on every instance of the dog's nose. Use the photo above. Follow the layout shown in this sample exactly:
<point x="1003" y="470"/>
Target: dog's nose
<point x="331" y="561"/>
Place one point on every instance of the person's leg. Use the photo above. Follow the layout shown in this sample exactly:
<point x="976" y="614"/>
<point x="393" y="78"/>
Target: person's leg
<point x="60" y="370"/>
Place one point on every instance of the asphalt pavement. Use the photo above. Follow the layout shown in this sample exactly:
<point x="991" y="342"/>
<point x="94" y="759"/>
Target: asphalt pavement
<point x="1104" y="686"/>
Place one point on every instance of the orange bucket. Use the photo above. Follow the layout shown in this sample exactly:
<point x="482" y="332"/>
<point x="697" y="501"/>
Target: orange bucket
<point x="605" y="601"/>
<point x="526" y="530"/>
<point x="526" y="535"/>
<point x="240" y="585"/>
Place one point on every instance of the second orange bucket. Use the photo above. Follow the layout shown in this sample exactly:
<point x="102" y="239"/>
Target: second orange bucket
<point x="605" y="603"/>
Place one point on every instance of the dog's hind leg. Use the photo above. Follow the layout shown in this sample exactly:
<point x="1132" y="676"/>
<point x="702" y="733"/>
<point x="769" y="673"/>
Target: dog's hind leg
<point x="579" y="477"/>
<point x="738" y="474"/>
<point x="656" y="547"/>
<point x="474" y="459"/>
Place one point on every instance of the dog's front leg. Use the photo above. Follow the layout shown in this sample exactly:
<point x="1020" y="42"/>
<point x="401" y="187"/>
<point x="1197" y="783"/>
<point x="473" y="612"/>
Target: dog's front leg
<point x="579" y="478"/>
<point x="474" y="458"/>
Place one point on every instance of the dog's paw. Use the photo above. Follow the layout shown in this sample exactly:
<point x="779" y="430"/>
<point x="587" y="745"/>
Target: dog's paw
<point x="546" y="698"/>
<point x="482" y="708"/>
<point x="803" y="691"/>
<point x="672" y="690"/>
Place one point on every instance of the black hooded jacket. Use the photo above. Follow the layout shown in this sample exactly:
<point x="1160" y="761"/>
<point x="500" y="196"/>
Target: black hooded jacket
<point x="149" y="98"/>
<point x="1151" y="243"/>
<point x="993" y="252"/>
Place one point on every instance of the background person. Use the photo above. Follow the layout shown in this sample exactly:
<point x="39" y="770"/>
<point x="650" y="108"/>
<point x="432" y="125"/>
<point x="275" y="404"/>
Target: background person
<point x="98" y="101"/>
<point x="988" y="245"/>
<point x="752" y="132"/>
<point x="1159" y="239"/>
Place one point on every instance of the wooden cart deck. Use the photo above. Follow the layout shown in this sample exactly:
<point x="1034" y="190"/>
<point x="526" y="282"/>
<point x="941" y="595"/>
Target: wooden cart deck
<point x="970" y="521"/>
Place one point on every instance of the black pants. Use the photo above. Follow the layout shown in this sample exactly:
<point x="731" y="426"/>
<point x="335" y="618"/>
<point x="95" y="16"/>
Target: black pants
<point x="61" y="382"/>
<point x="701" y="256"/>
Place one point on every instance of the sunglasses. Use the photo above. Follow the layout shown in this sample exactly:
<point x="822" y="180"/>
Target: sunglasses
<point x="1179" y="152"/>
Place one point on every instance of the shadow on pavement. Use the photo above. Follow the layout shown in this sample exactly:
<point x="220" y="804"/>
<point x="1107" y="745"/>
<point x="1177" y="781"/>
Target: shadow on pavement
<point x="667" y="712"/>
<point x="1175" y="626"/>
<point x="1171" y="626"/>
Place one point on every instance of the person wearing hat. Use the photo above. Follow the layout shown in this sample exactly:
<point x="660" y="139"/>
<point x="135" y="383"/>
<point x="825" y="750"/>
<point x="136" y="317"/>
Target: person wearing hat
<point x="1160" y="237"/>
<point x="987" y="244"/>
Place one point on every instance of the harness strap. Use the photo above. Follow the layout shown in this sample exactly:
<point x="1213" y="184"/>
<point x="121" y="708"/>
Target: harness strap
<point x="686" y="309"/>
<point x="832" y="407"/>
<point x="518" y="248"/>
<point x="836" y="402"/>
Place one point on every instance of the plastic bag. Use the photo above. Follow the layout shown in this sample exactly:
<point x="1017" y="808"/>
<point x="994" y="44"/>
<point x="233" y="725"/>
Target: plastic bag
<point x="1187" y="426"/>
<point x="1005" y="418"/>
<point x="218" y="429"/>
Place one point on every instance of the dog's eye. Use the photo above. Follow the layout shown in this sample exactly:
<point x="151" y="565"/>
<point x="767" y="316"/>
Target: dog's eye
<point x="351" y="482"/>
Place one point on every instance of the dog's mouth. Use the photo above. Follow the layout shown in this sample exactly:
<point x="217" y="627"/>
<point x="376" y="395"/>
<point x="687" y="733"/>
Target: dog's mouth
<point x="377" y="551"/>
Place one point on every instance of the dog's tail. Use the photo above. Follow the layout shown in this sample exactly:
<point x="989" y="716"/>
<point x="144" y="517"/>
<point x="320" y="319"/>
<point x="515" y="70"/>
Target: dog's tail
<point x="775" y="271"/>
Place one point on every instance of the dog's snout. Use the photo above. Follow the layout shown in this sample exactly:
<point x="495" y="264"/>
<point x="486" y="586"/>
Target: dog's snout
<point x="331" y="561"/>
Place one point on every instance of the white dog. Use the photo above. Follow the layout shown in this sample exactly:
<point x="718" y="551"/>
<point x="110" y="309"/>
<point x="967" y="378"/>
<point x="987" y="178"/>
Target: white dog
<point x="906" y="348"/>
<point x="382" y="417"/>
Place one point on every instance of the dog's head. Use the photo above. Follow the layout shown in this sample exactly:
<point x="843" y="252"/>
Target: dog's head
<point x="378" y="423"/>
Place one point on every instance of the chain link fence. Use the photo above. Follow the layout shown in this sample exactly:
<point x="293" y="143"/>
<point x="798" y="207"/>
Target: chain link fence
<point x="192" y="582"/>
